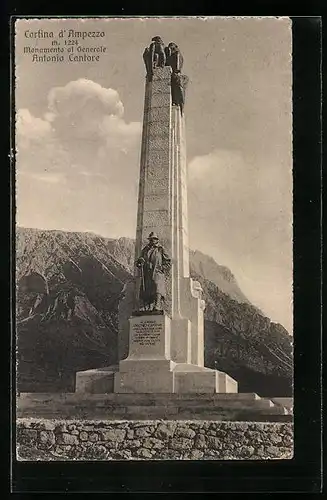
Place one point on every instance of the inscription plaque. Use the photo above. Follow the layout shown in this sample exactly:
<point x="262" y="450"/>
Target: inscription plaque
<point x="149" y="337"/>
<point x="147" y="332"/>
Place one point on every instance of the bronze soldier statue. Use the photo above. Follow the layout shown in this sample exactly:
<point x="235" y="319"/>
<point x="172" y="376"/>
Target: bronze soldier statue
<point x="157" y="49"/>
<point x="158" y="56"/>
<point x="178" y="84"/>
<point x="174" y="58"/>
<point x="154" y="56"/>
<point x="153" y="263"/>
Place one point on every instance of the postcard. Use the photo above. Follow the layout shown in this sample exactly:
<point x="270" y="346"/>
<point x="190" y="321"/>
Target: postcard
<point x="154" y="260"/>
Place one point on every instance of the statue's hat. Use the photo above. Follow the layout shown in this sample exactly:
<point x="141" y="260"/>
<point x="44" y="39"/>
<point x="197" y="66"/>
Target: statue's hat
<point x="153" y="236"/>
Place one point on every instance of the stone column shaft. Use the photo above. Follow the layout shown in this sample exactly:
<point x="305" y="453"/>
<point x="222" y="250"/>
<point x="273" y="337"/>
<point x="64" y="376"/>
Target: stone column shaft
<point x="162" y="203"/>
<point x="162" y="208"/>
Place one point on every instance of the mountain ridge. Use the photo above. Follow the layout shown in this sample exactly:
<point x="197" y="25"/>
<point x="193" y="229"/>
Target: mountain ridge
<point x="219" y="274"/>
<point x="68" y="288"/>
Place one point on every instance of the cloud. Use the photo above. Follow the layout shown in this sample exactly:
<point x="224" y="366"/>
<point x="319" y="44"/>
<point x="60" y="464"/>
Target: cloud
<point x="30" y="128"/>
<point x="77" y="161"/>
<point x="37" y="147"/>
<point x="240" y="212"/>
<point x="84" y="94"/>
<point x="217" y="160"/>
<point x="80" y="109"/>
<point x="218" y="173"/>
<point x="226" y="184"/>
<point x="83" y="124"/>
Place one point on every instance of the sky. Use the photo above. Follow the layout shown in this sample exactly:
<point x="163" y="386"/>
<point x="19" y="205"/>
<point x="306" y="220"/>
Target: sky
<point x="78" y="138"/>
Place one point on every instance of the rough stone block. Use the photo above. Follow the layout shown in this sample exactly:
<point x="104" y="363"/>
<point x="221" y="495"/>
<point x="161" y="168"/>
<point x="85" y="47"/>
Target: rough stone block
<point x="47" y="425"/>
<point x="161" y="103"/>
<point x="83" y="436"/>
<point x="47" y="437"/>
<point x="180" y="444"/>
<point x="156" y="218"/>
<point x="157" y="161"/>
<point x="93" y="437"/>
<point x="144" y="453"/>
<point x="160" y="74"/>
<point x="196" y="454"/>
<point x="27" y="436"/>
<point x="160" y="128"/>
<point x="158" y="143"/>
<point x="214" y="442"/>
<point x="273" y="451"/>
<point x="159" y="114"/>
<point x="157" y="185"/>
<point x="124" y="454"/>
<point x="95" y="381"/>
<point x="185" y="431"/>
<point x="158" y="133"/>
<point x="142" y="432"/>
<point x="165" y="431"/>
<point x="153" y="443"/>
<point x="116" y="435"/>
<point x="67" y="439"/>
<point x="132" y="443"/>
<point x="156" y="202"/>
<point x="161" y="87"/>
<point x="200" y="441"/>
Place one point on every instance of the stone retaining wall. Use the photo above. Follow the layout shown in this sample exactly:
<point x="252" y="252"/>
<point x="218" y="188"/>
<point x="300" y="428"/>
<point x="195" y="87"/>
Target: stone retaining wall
<point x="40" y="439"/>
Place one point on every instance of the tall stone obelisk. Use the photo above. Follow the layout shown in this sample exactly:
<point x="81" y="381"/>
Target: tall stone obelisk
<point x="163" y="351"/>
<point x="162" y="208"/>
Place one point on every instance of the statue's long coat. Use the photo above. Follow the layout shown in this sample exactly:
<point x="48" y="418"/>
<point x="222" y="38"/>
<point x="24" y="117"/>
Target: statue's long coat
<point x="156" y="260"/>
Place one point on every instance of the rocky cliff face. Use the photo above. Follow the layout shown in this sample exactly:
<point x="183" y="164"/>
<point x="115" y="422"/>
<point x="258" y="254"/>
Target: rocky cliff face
<point x="68" y="290"/>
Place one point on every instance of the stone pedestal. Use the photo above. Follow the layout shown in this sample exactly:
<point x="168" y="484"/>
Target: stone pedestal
<point x="155" y="377"/>
<point x="149" y="367"/>
<point x="149" y="338"/>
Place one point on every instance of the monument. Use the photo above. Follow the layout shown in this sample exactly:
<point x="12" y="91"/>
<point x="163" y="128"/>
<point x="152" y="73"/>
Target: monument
<point x="161" y="324"/>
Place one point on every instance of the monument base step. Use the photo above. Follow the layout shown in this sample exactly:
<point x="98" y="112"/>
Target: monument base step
<point x="154" y="376"/>
<point x="240" y="407"/>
